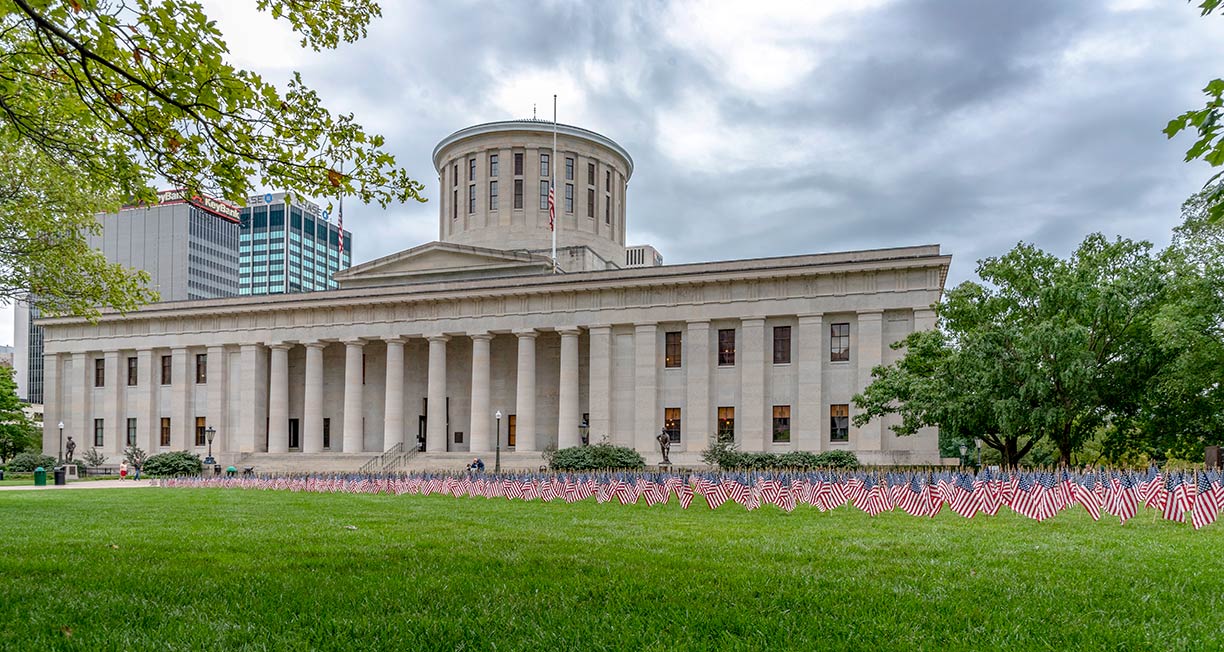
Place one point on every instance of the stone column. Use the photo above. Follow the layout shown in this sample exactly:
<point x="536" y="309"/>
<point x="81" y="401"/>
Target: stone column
<point x="645" y="388"/>
<point x="354" y="437"/>
<point x="600" y="383"/>
<point x="112" y="394"/>
<point x="567" y="408"/>
<point x="756" y="436"/>
<point x="393" y="405"/>
<point x="809" y="411"/>
<point x="435" y="417"/>
<point x="182" y="381"/>
<point x="218" y="382"/>
<point x="924" y="319"/>
<point x="278" y="400"/>
<point x="868" y="351"/>
<point x="482" y="419"/>
<point x="146" y="402"/>
<point x="697" y="430"/>
<point x="79" y="420"/>
<point x="312" y="399"/>
<point x="53" y="407"/>
<point x="525" y="398"/>
<point x="252" y="388"/>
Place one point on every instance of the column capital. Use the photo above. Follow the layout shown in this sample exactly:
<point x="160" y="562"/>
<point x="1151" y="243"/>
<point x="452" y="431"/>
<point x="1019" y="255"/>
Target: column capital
<point x="437" y="338"/>
<point x="318" y="344"/>
<point x="569" y="332"/>
<point x="753" y="321"/>
<point x="698" y="324"/>
<point x="279" y="346"/>
<point x="485" y="337"/>
<point x="354" y="342"/>
<point x="395" y="340"/>
<point x="811" y="317"/>
<point x="870" y="315"/>
<point x="527" y="333"/>
<point x="641" y="326"/>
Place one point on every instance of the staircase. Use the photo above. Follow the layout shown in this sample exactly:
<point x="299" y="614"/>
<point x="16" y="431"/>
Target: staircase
<point x="304" y="462"/>
<point x="391" y="460"/>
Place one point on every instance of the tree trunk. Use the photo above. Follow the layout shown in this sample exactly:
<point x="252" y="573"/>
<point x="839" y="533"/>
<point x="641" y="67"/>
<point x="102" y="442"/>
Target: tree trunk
<point x="1064" y="446"/>
<point x="1011" y="457"/>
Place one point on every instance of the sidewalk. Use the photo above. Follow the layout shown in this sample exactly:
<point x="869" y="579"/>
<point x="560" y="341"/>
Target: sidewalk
<point x="87" y="484"/>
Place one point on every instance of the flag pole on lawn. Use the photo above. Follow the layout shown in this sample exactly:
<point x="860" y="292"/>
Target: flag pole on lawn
<point x="552" y="204"/>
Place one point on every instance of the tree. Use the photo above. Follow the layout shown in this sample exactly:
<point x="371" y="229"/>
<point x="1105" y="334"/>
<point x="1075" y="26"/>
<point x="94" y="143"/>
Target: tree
<point x="1208" y="122"/>
<point x="1042" y="348"/>
<point x="115" y="94"/>
<point x="17" y="431"/>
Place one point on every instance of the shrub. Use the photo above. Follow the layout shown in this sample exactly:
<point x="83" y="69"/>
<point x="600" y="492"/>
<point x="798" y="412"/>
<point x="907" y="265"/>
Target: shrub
<point x="171" y="464"/>
<point x="599" y="456"/>
<point x="725" y="455"/>
<point x="94" y="457"/>
<point x="29" y="461"/>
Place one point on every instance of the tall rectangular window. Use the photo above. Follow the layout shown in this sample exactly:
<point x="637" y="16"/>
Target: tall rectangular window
<point x="100" y="372"/>
<point x="569" y="169"/>
<point x="493" y="165"/>
<point x="591" y="203"/>
<point x="590" y="174"/>
<point x="327" y="421"/>
<point x="543" y="195"/>
<point x="726" y="347"/>
<point x="472" y="169"/>
<point x="781" y="424"/>
<point x="99" y="433"/>
<point x="455" y="203"/>
<point x="472" y="199"/>
<point x="201" y="426"/>
<point x="673" y="345"/>
<point x="671" y="424"/>
<point x="607" y="180"/>
<point x="455" y="176"/>
<point x="131" y="431"/>
<point x="839" y="342"/>
<point x="133" y="374"/>
<point x="839" y="422"/>
<point x="492" y="195"/>
<point x="781" y="345"/>
<point x="544" y="165"/>
<point x="569" y="198"/>
<point x="518" y="194"/>
<point x="607" y="209"/>
<point x="165" y="369"/>
<point x="726" y="424"/>
<point x="518" y="164"/>
<point x="201" y="368"/>
<point x="165" y="431"/>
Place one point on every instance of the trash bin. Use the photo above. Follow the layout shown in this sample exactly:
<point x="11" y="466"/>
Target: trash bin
<point x="216" y="469"/>
<point x="40" y="477"/>
<point x="1" y="474"/>
<point x="61" y="476"/>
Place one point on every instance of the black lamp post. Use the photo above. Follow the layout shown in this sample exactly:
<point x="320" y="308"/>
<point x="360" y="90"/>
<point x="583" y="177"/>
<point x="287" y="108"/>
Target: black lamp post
<point x="584" y="432"/>
<point x="497" y="458"/>
<point x="964" y="453"/>
<point x="209" y="433"/>
<point x="979" y="447"/>
<point x="61" y="451"/>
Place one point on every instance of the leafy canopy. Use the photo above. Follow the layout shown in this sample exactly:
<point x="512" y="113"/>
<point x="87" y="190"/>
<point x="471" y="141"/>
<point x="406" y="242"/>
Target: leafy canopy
<point x="1208" y="124"/>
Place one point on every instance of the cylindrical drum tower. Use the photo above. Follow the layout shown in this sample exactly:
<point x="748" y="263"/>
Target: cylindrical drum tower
<point x="493" y="180"/>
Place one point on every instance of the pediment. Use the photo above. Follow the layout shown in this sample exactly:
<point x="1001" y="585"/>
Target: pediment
<point x="442" y="260"/>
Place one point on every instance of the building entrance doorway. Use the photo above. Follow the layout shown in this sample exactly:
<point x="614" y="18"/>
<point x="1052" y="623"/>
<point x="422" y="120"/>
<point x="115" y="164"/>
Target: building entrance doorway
<point x="421" y="434"/>
<point x="295" y="435"/>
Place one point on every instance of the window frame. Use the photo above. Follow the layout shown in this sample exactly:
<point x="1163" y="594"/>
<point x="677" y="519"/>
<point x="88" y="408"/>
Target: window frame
<point x="167" y="369"/>
<point x="518" y="164"/>
<point x="839" y="411"/>
<point x="99" y="372"/>
<point x="569" y="168"/>
<point x="545" y="165"/>
<point x="839" y="342"/>
<point x="201" y="370"/>
<point x="493" y="195"/>
<point x="724" y="424"/>
<point x="518" y="194"/>
<point x="673" y="349"/>
<point x="494" y="170"/>
<point x="99" y="433"/>
<point x="569" y="198"/>
<point x="164" y="433"/>
<point x="782" y="355"/>
<point x="673" y="424"/>
<point x="133" y="371"/>
<point x="201" y="424"/>
<point x="471" y="199"/>
<point x="781" y="424"/>
<point x="726" y="356"/>
<point x="131" y="431"/>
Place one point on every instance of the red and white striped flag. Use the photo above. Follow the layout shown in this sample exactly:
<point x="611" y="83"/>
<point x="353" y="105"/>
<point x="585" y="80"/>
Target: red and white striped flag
<point x="552" y="208"/>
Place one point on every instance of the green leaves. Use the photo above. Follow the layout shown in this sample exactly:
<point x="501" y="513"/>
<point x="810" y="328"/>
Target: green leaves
<point x="1209" y="146"/>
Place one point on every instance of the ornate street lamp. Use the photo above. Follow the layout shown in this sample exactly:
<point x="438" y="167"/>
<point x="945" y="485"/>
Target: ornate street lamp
<point x="497" y="459"/>
<point x="979" y="447"/>
<point x="964" y="453"/>
<point x="209" y="433"/>
<point x="584" y="432"/>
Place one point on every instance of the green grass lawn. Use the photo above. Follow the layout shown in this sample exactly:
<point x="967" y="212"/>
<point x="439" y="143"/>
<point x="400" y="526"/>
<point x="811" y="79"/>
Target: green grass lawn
<point x="155" y="569"/>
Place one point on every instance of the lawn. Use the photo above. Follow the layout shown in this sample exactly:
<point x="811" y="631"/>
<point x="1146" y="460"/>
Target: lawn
<point x="230" y="569"/>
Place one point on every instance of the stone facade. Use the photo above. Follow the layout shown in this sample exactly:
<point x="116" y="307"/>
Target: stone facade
<point x="424" y="346"/>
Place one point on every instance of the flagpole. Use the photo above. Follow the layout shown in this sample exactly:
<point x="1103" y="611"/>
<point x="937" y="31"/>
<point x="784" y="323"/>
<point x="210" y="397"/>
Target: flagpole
<point x="554" y="182"/>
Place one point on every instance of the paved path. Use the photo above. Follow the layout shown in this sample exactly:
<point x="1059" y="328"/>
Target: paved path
<point x="87" y="484"/>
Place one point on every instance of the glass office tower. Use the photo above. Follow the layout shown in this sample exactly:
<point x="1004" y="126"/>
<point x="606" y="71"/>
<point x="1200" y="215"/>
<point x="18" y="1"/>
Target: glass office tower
<point x="289" y="246"/>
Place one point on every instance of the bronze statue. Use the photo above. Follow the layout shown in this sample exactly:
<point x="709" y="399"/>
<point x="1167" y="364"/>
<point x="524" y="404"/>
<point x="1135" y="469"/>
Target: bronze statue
<point x="69" y="448"/>
<point x="664" y="445"/>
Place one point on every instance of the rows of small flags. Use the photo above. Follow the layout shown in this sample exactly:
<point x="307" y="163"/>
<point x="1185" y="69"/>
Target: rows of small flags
<point x="1038" y="495"/>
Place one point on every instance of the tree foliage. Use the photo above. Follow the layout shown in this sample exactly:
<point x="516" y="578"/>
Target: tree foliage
<point x="1208" y="125"/>
<point x="17" y="431"/>
<point x="1042" y="348"/>
<point x="100" y="98"/>
<point x="173" y="464"/>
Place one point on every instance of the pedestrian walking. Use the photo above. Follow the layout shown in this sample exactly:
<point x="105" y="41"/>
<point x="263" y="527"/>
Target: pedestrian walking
<point x="123" y="470"/>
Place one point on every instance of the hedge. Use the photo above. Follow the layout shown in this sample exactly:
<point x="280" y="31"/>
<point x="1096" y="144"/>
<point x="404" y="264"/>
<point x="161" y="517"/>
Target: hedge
<point x="726" y="456"/>
<point x="598" y="456"/>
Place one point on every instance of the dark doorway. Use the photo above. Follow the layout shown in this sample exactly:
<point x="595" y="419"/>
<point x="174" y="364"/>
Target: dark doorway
<point x="511" y="431"/>
<point x="421" y="434"/>
<point x="295" y="435"/>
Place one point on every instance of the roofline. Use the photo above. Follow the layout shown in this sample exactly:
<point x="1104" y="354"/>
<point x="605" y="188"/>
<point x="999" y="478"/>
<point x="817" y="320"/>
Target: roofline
<point x="925" y="255"/>
<point x="530" y="125"/>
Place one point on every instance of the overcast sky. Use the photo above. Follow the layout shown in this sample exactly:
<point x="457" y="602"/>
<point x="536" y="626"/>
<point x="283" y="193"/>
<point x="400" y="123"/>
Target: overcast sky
<point x="765" y="128"/>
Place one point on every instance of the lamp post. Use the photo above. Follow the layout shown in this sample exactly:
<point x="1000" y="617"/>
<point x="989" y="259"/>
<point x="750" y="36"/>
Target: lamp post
<point x="497" y="455"/>
<point x="209" y="433"/>
<point x="584" y="432"/>
<point x="61" y="451"/>
<point x="964" y="450"/>
<point x="979" y="447"/>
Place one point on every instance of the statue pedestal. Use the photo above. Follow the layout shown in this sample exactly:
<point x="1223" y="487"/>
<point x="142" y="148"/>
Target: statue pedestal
<point x="70" y="472"/>
<point x="664" y="467"/>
